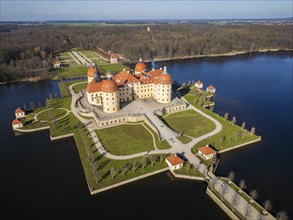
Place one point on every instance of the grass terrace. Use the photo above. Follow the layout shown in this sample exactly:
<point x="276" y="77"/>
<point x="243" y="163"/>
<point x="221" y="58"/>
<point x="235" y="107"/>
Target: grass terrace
<point x="79" y="87"/>
<point x="184" y="139"/>
<point x="68" y="72"/>
<point x="126" y="139"/>
<point x="190" y="123"/>
<point x="58" y="113"/>
<point x="113" y="67"/>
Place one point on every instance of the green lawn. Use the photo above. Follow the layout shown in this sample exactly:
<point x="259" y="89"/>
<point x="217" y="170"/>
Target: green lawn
<point x="65" y="91"/>
<point x="188" y="171"/>
<point x="113" y="67"/>
<point x="184" y="139"/>
<point x="227" y="133"/>
<point x="126" y="139"/>
<point x="71" y="71"/>
<point x="190" y="123"/>
<point x="58" y="113"/>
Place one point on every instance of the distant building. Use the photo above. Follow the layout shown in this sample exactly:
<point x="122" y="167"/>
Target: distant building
<point x="206" y="152"/>
<point x="19" y="113"/>
<point x="198" y="84"/>
<point x="174" y="162"/>
<point x="16" y="124"/>
<point x="211" y="89"/>
<point x="56" y="64"/>
<point x="114" y="58"/>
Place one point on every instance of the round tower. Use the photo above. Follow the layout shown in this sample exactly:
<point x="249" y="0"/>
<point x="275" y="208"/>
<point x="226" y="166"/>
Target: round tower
<point x="110" y="99"/>
<point x="164" y="87"/>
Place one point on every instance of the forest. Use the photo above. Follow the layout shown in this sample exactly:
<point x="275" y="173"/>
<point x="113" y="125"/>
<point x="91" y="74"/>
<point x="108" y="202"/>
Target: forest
<point x="28" y="51"/>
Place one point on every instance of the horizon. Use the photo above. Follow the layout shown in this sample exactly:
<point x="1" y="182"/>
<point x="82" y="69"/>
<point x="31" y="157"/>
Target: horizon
<point x="34" y="11"/>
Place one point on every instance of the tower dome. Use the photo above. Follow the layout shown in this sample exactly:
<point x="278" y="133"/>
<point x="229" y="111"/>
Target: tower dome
<point x="108" y="85"/>
<point x="91" y="72"/>
<point x="164" y="78"/>
<point x="140" y="67"/>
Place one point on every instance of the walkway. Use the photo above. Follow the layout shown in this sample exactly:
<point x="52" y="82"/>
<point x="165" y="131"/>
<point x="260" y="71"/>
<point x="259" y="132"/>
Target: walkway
<point x="81" y="59"/>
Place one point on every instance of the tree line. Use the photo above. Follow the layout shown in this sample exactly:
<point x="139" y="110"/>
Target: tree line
<point x="27" y="51"/>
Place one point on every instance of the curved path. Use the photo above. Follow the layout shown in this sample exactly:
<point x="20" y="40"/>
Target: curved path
<point x="36" y="115"/>
<point x="169" y="135"/>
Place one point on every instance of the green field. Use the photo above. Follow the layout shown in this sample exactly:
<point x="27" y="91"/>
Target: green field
<point x="71" y="72"/>
<point x="114" y="67"/>
<point x="94" y="57"/>
<point x="161" y="145"/>
<point x="184" y="139"/>
<point x="190" y="123"/>
<point x="126" y="139"/>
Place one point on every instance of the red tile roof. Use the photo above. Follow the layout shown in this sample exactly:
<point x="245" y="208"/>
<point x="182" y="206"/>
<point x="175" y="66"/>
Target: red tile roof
<point x="174" y="160"/>
<point x="206" y="150"/>
<point x="199" y="82"/>
<point x="153" y="73"/>
<point x="125" y="77"/>
<point x="93" y="87"/>
<point x="16" y="122"/>
<point x="19" y="110"/>
<point x="114" y="56"/>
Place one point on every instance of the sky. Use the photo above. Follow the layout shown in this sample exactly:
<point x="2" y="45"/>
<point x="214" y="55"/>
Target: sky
<point x="42" y="10"/>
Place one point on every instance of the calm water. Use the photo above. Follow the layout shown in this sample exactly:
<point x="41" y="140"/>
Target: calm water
<point x="44" y="180"/>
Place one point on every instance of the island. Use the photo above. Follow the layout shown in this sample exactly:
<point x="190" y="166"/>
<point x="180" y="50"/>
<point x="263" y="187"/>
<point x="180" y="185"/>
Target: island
<point x="136" y="123"/>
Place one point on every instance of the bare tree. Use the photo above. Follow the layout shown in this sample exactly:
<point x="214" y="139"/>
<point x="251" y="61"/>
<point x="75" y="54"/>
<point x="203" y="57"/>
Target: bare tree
<point x="32" y="105"/>
<point x="40" y="105"/>
<point x="98" y="176"/>
<point x="282" y="215"/>
<point x="252" y="130"/>
<point x="267" y="205"/>
<point x="212" y="108"/>
<point x="161" y="158"/>
<point x="242" y="184"/>
<point x="237" y="134"/>
<point x="253" y="194"/>
<point x="226" y="116"/>
<point x="24" y="106"/>
<point x="248" y="211"/>
<point x="56" y="94"/>
<point x="134" y="166"/>
<point x="123" y="169"/>
<point x="223" y="190"/>
<point x="50" y="95"/>
<point x="235" y="200"/>
<point x="231" y="176"/>
<point x="113" y="172"/>
<point x="223" y="138"/>
<point x="153" y="159"/>
<point x="233" y="120"/>
<point x="144" y="162"/>
<point x="243" y="125"/>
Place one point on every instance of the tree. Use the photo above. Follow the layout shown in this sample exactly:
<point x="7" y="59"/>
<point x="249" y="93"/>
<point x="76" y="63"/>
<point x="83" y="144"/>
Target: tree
<point x="32" y="105"/>
<point x="153" y="159"/>
<point x="161" y="158"/>
<point x="226" y="116"/>
<point x="252" y="130"/>
<point x="212" y="108"/>
<point x="50" y="95"/>
<point x="231" y="176"/>
<point x="242" y="184"/>
<point x="56" y="94"/>
<point x="98" y="176"/>
<point x="253" y="194"/>
<point x="24" y="106"/>
<point x="235" y="200"/>
<point x="40" y="105"/>
<point x="267" y="205"/>
<point x="134" y="166"/>
<point x="223" y="138"/>
<point x="282" y="215"/>
<point x="237" y="134"/>
<point x="233" y="120"/>
<point x="223" y="190"/>
<point x="113" y="172"/>
<point x="243" y="125"/>
<point x="123" y="169"/>
<point x="248" y="211"/>
<point x="144" y="162"/>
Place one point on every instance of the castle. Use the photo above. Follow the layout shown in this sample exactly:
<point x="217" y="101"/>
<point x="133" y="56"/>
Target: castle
<point x="127" y="86"/>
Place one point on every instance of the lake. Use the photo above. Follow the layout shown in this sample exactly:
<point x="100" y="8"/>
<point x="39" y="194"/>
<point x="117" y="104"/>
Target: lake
<point x="45" y="180"/>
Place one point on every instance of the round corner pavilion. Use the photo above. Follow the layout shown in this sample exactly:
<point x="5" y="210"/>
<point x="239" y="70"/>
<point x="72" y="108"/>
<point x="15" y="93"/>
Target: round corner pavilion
<point x="126" y="86"/>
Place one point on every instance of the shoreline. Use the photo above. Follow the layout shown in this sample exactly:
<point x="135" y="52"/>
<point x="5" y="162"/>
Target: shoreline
<point x="230" y="54"/>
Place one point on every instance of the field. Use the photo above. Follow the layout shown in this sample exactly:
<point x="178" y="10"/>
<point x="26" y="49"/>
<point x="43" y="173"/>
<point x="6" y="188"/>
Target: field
<point x="71" y="72"/>
<point x="94" y="57"/>
<point x="190" y="123"/>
